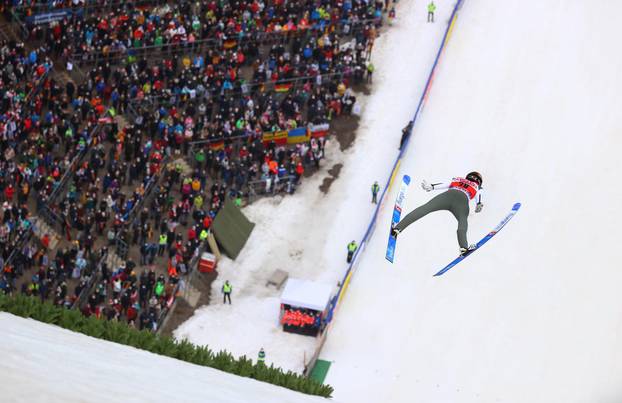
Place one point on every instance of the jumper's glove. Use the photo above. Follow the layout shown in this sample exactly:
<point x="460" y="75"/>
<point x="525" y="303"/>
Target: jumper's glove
<point x="395" y="231"/>
<point x="426" y="186"/>
<point x="479" y="207"/>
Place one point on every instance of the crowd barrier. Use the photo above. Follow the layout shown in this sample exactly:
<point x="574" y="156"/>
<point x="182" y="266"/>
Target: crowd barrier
<point x="335" y="303"/>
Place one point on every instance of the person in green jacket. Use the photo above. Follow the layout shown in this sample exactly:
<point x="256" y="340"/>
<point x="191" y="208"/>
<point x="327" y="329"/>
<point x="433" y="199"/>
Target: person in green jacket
<point x="159" y="289"/>
<point x="431" y="10"/>
<point x="375" y="188"/>
<point x="261" y="357"/>
<point x="199" y="158"/>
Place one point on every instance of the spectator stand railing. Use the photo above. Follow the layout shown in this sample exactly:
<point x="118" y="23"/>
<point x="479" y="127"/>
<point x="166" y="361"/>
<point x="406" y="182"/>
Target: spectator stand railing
<point x="150" y="51"/>
<point x="153" y="101"/>
<point x="52" y="219"/>
<point x="203" y="44"/>
<point x="135" y="106"/>
<point x="93" y="279"/>
<point x="4" y="36"/>
<point x="73" y="165"/>
<point x="46" y="206"/>
<point x="122" y="246"/>
<point x="30" y="15"/>
<point x="184" y="283"/>
<point x="38" y="85"/>
<point x="169" y="307"/>
<point x="193" y="146"/>
<point x="22" y="240"/>
<point x="271" y="186"/>
<point x="23" y="29"/>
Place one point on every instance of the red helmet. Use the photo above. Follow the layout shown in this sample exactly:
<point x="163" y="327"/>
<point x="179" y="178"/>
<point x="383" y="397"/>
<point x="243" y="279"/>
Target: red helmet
<point x="475" y="177"/>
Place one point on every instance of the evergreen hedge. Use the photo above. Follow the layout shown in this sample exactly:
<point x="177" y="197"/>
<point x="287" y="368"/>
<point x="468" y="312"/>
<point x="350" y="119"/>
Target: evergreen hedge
<point x="71" y="319"/>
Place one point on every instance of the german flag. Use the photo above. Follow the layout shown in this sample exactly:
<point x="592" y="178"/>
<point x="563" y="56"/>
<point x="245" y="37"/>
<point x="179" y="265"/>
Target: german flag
<point x="229" y="43"/>
<point x="217" y="145"/>
<point x="284" y="87"/>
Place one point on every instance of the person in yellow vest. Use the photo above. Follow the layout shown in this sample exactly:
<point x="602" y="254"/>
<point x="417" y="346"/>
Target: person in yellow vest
<point x="352" y="247"/>
<point x="198" y="202"/>
<point x="226" y="292"/>
<point x="203" y="235"/>
<point x="431" y="10"/>
<point x="162" y="243"/>
<point x="370" y="71"/>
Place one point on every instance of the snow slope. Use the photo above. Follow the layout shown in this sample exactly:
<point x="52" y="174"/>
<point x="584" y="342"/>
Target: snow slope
<point x="528" y="93"/>
<point x="306" y="234"/>
<point x="44" y="363"/>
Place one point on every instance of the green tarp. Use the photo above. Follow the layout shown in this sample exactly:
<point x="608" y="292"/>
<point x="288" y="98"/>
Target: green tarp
<point x="231" y="229"/>
<point x="320" y="370"/>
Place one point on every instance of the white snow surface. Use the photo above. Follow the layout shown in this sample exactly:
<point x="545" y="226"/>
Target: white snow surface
<point x="528" y="94"/>
<point x="44" y="363"/>
<point x="306" y="234"/>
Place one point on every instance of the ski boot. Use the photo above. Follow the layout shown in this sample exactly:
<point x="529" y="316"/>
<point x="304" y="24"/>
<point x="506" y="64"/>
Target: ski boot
<point x="466" y="251"/>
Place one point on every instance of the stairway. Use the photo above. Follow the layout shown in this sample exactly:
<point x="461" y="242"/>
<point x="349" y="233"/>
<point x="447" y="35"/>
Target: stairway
<point x="113" y="261"/>
<point x="62" y="78"/>
<point x="40" y="228"/>
<point x="7" y="33"/>
<point x="121" y="121"/>
<point x="191" y="294"/>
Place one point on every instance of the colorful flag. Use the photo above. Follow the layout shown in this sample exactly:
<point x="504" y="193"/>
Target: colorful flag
<point x="284" y="87"/>
<point x="298" y="135"/>
<point x="320" y="130"/>
<point x="217" y="145"/>
<point x="279" y="137"/>
<point x="229" y="43"/>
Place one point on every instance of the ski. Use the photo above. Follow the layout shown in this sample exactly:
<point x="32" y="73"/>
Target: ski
<point x="482" y="241"/>
<point x="397" y="212"/>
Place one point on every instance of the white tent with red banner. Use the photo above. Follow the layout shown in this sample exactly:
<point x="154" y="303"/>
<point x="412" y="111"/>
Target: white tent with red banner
<point x="306" y="294"/>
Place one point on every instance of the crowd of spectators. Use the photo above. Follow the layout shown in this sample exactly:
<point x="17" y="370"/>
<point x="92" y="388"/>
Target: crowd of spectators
<point x="217" y="78"/>
<point x="22" y="168"/>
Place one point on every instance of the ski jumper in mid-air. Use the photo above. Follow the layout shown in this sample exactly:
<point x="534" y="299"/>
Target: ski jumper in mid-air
<point x="455" y="200"/>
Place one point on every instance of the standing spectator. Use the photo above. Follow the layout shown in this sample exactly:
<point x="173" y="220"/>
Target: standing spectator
<point x="162" y="243"/>
<point x="352" y="247"/>
<point x="261" y="357"/>
<point x="431" y="10"/>
<point x="226" y="292"/>
<point x="391" y="15"/>
<point x="374" y="192"/>
<point x="9" y="191"/>
<point x="370" y="71"/>
<point x="405" y="133"/>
